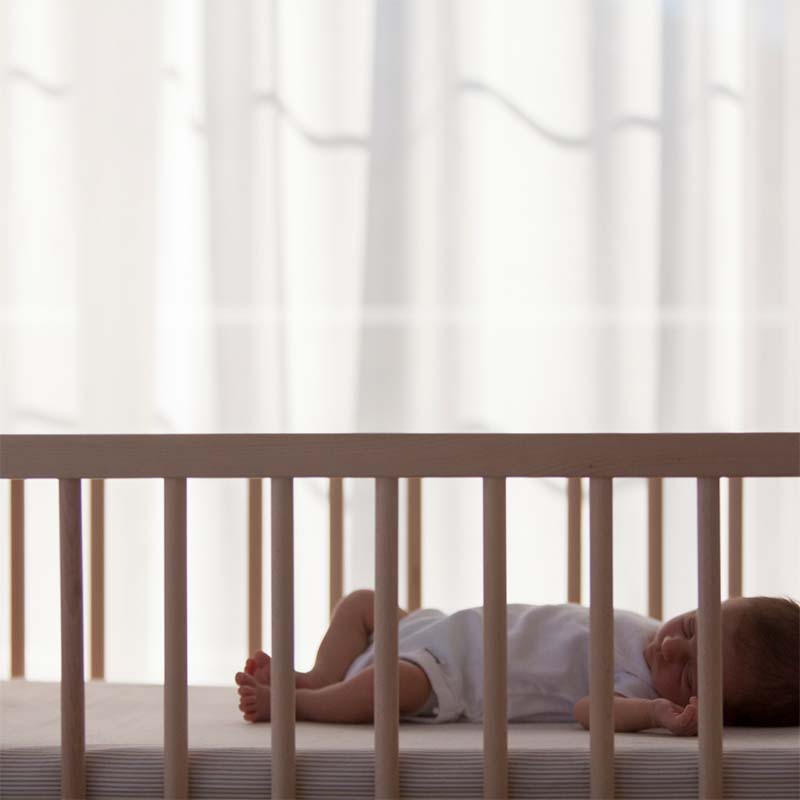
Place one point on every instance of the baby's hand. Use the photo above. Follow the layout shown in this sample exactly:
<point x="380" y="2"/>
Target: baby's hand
<point x="682" y="721"/>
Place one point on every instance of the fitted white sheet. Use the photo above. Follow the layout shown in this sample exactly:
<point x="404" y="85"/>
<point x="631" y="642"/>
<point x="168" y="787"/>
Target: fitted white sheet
<point x="230" y="758"/>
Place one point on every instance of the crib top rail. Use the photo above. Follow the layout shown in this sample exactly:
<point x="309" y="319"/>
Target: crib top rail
<point x="368" y="455"/>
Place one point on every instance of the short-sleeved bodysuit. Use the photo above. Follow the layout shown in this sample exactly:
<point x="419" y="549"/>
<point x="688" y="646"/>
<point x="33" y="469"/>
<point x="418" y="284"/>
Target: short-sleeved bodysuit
<point x="548" y="660"/>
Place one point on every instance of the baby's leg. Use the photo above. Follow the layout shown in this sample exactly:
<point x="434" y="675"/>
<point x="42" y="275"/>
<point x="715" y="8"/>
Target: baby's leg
<point x="352" y="623"/>
<point x="259" y="665"/>
<point x="352" y="700"/>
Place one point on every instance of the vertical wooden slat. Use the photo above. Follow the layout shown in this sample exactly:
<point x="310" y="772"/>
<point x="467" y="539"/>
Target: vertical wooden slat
<point x="655" y="573"/>
<point x="495" y="648"/>
<point x="735" y="537"/>
<point x="254" y="558"/>
<point x="387" y="699"/>
<point x="98" y="533"/>
<point x="282" y="692"/>
<point x="17" y="579"/>
<point x="574" y="540"/>
<point x="601" y="638"/>
<point x="176" y="758"/>
<point x="709" y="633"/>
<point x="73" y="728"/>
<point x="414" y="543"/>
<point x="336" y="549"/>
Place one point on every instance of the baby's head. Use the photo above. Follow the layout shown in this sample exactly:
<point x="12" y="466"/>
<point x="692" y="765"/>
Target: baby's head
<point x="760" y="660"/>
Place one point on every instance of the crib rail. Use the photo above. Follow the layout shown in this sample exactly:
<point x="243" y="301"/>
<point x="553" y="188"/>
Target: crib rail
<point x="375" y="455"/>
<point x="385" y="458"/>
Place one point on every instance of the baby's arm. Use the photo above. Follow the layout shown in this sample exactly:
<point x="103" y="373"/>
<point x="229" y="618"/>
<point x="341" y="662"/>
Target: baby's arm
<point x="637" y="714"/>
<point x="630" y="713"/>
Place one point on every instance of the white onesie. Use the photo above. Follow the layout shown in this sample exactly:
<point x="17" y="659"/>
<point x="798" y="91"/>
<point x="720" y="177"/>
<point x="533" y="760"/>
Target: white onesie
<point x="548" y="660"/>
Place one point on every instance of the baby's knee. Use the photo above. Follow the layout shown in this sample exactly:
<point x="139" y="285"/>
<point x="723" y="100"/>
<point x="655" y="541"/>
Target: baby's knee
<point x="360" y="603"/>
<point x="361" y="595"/>
<point x="360" y="598"/>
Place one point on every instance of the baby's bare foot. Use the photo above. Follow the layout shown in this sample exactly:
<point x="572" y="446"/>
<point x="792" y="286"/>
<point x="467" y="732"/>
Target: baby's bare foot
<point x="260" y="667"/>
<point x="254" y="700"/>
<point x="258" y="662"/>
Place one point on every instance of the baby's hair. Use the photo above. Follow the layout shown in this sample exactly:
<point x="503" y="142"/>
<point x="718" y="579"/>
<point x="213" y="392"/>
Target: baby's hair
<point x="767" y="644"/>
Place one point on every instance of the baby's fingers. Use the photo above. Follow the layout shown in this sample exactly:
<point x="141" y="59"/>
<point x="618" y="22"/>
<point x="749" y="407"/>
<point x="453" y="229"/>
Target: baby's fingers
<point x="686" y="721"/>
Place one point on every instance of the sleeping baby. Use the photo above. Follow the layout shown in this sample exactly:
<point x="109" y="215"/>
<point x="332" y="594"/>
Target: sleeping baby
<point x="441" y="667"/>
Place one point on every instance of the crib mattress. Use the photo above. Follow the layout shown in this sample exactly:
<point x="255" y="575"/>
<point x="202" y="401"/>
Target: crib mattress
<point x="229" y="758"/>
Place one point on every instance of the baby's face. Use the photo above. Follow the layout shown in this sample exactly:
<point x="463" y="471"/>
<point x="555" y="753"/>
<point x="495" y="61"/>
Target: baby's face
<point x="671" y="654"/>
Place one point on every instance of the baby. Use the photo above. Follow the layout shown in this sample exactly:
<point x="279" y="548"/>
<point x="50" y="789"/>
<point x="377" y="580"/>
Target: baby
<point x="441" y="669"/>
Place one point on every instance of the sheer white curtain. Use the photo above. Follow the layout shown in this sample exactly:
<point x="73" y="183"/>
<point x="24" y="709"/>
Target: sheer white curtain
<point x="373" y="215"/>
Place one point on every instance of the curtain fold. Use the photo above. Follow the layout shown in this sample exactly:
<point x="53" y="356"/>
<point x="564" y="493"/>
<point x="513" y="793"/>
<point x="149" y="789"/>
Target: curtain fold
<point x="380" y="216"/>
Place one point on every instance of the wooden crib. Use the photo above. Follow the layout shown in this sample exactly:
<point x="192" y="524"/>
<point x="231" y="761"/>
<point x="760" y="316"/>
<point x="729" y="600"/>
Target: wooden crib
<point x="386" y="458"/>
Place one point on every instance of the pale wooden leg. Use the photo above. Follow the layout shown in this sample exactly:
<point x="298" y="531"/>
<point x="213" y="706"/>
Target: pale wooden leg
<point x="254" y="552"/>
<point x="176" y="759"/>
<point x="336" y="548"/>
<point x="73" y="728"/>
<point x="709" y="639"/>
<point x="17" y="579"/>
<point x="601" y="639"/>
<point x="97" y="523"/>
<point x="282" y="690"/>
<point x="654" y="547"/>
<point x="495" y="648"/>
<point x="387" y="700"/>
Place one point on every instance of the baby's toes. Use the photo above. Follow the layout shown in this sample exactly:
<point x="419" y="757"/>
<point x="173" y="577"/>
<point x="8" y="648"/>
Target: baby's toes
<point x="250" y="708"/>
<point x="260" y="659"/>
<point x="243" y="679"/>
